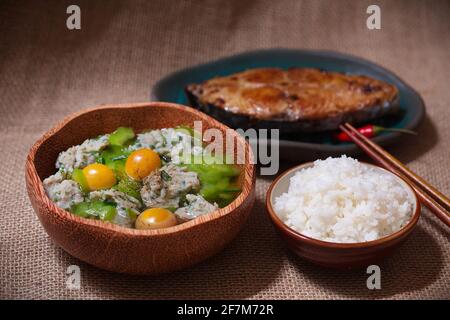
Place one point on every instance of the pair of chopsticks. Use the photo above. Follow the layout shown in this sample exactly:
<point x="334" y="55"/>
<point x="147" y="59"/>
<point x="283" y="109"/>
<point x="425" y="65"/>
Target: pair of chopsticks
<point x="428" y="195"/>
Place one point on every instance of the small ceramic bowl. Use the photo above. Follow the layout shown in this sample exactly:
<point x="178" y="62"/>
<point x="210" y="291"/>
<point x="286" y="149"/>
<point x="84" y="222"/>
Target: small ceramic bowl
<point x="127" y="250"/>
<point x="330" y="254"/>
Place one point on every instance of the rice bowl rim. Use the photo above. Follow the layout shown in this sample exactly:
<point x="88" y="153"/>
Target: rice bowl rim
<point x="280" y="224"/>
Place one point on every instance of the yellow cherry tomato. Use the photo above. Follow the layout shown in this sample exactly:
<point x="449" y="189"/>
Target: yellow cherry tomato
<point x="141" y="163"/>
<point x="98" y="176"/>
<point x="155" y="218"/>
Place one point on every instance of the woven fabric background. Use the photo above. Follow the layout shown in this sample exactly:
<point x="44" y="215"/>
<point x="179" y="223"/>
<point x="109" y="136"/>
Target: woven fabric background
<point x="48" y="72"/>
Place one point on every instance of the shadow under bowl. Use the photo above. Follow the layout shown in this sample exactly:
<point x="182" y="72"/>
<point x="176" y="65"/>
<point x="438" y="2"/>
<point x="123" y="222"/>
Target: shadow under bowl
<point x="119" y="249"/>
<point x="337" y="255"/>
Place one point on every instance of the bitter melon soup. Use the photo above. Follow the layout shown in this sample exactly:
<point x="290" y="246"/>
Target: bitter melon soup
<point x="144" y="181"/>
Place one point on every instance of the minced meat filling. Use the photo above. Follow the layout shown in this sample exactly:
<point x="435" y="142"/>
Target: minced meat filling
<point x="81" y="155"/>
<point x="165" y="187"/>
<point x="194" y="207"/>
<point x="64" y="193"/>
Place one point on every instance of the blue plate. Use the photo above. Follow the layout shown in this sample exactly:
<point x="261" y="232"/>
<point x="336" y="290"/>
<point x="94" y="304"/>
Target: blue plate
<point x="302" y="146"/>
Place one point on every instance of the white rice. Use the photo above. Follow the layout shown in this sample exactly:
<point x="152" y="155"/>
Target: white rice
<point x="342" y="200"/>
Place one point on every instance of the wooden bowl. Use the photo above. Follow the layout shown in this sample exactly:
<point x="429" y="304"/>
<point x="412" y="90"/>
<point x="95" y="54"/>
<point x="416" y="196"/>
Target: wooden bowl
<point x="337" y="255"/>
<point x="127" y="250"/>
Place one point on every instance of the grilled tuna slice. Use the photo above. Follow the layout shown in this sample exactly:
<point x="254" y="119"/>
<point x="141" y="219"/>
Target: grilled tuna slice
<point x="292" y="100"/>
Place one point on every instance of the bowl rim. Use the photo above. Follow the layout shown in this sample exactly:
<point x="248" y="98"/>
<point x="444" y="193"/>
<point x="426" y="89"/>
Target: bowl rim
<point x="31" y="175"/>
<point x="337" y="245"/>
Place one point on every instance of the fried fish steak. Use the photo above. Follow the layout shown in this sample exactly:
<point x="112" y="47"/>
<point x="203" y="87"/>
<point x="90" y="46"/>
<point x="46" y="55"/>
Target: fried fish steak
<point x="296" y="99"/>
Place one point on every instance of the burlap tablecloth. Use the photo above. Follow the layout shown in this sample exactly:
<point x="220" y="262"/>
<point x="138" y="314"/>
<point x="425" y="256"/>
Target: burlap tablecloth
<point x="47" y="72"/>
